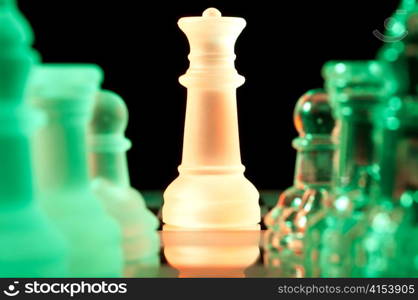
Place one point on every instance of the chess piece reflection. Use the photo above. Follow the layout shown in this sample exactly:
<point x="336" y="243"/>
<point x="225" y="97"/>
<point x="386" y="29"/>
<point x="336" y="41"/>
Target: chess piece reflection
<point x="65" y="92"/>
<point x="30" y="246"/>
<point x="305" y="203"/>
<point x="109" y="170"/>
<point x="211" y="191"/>
<point x="221" y="253"/>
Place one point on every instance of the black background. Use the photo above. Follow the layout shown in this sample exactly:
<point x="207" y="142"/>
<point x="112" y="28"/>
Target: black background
<point x="143" y="52"/>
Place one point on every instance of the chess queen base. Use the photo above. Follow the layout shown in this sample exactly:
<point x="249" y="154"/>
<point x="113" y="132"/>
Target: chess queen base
<point x="211" y="201"/>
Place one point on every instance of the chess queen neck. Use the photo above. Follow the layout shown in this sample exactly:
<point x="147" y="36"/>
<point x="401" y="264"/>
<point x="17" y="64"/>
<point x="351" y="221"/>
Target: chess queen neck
<point x="211" y="141"/>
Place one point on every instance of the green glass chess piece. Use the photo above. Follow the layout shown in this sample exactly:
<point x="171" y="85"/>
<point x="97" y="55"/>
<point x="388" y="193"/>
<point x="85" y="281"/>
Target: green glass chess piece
<point x="400" y="48"/>
<point x="357" y="91"/>
<point x="391" y="250"/>
<point x="66" y="92"/>
<point x="314" y="123"/>
<point x="29" y="244"/>
<point x="110" y="182"/>
<point x="303" y="204"/>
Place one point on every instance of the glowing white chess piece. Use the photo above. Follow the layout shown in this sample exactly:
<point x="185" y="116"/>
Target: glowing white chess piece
<point x="211" y="191"/>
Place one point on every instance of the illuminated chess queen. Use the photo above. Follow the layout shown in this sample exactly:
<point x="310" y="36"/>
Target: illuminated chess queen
<point x="211" y="191"/>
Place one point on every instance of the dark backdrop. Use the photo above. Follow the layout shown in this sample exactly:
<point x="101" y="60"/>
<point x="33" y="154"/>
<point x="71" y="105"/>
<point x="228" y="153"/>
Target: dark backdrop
<point x="143" y="52"/>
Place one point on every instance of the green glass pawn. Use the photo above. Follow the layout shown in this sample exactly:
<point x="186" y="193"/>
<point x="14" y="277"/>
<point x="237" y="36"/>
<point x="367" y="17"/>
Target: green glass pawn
<point x="314" y="123"/>
<point x="66" y="93"/>
<point x="30" y="246"/>
<point x="110" y="182"/>
<point x="302" y="205"/>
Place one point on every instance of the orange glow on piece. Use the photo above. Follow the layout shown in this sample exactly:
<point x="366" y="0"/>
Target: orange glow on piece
<point x="211" y="191"/>
<point x="197" y="253"/>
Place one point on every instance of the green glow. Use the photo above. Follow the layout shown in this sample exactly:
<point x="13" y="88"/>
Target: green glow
<point x="110" y="182"/>
<point x="340" y="68"/>
<point x="359" y="92"/>
<point x="306" y="106"/>
<point x="407" y="200"/>
<point x="342" y="203"/>
<point x="30" y="245"/>
<point x="66" y="93"/>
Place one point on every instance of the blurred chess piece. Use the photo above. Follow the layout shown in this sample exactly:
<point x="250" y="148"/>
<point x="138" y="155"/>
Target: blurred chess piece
<point x="283" y="260"/>
<point x="109" y="170"/>
<point x="211" y="191"/>
<point x="358" y="91"/>
<point x="66" y="92"/>
<point x="306" y="202"/>
<point x="312" y="181"/>
<point x="30" y="246"/>
<point x="222" y="253"/>
<point x="390" y="250"/>
<point x="400" y="46"/>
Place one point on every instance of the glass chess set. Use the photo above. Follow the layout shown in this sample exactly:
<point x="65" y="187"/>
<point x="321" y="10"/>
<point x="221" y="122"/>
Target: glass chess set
<point x="67" y="208"/>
